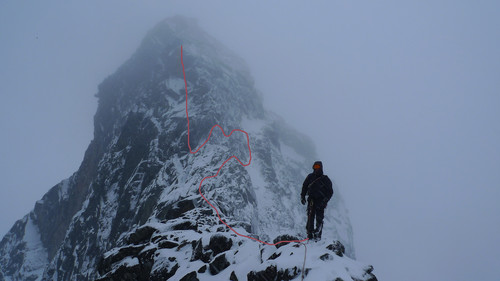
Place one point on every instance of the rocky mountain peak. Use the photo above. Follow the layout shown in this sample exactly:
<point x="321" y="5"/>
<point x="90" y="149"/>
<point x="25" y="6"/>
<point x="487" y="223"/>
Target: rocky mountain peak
<point x="133" y="210"/>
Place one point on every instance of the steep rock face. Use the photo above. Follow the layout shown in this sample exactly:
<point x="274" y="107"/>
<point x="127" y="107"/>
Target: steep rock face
<point x="138" y="169"/>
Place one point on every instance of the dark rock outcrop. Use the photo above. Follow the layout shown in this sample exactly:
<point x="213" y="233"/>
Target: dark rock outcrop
<point x="219" y="243"/>
<point x="218" y="264"/>
<point x="129" y="251"/>
<point x="164" y="273"/>
<point x="192" y="276"/>
<point x="271" y="273"/>
<point x="326" y="257"/>
<point x="141" y="235"/>
<point x="175" y="210"/>
<point x="185" y="225"/>
<point x="285" y="237"/>
<point x="202" y="269"/>
<point x="337" y="248"/>
<point x="233" y="277"/>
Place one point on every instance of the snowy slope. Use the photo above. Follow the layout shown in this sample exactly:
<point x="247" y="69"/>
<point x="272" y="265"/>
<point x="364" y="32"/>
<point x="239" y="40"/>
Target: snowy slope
<point x="31" y="256"/>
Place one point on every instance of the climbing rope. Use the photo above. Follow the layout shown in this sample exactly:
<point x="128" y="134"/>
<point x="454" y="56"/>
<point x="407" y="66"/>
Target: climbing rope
<point x="304" y="264"/>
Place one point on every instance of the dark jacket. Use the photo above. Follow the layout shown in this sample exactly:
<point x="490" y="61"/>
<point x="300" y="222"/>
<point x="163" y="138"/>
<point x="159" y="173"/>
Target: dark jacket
<point x="318" y="187"/>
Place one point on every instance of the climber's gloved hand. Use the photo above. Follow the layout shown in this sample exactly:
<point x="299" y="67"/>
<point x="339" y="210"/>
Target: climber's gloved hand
<point x="325" y="202"/>
<point x="303" y="200"/>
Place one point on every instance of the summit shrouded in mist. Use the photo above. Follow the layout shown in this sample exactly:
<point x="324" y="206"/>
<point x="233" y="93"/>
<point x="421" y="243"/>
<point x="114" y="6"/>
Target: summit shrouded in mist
<point x="132" y="211"/>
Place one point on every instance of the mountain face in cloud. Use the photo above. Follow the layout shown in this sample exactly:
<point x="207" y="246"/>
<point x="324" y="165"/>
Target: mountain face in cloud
<point x="132" y="211"/>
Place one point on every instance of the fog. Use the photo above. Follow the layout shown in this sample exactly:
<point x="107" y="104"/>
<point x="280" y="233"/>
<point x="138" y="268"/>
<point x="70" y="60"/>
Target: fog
<point x="401" y="99"/>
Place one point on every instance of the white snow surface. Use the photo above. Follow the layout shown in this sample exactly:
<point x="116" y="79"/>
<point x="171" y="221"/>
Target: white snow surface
<point x="63" y="189"/>
<point x="175" y="84"/>
<point x="35" y="255"/>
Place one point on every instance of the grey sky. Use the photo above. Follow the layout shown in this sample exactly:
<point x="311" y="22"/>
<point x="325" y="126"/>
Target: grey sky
<point x="402" y="100"/>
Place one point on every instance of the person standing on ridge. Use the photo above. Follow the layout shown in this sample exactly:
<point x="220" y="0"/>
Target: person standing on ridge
<point x="318" y="188"/>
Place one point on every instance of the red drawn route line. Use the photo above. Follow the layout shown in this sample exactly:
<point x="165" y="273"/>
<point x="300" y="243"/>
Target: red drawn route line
<point x="208" y="177"/>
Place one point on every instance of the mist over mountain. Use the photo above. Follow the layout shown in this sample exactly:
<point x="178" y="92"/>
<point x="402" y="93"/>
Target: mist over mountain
<point x="132" y="211"/>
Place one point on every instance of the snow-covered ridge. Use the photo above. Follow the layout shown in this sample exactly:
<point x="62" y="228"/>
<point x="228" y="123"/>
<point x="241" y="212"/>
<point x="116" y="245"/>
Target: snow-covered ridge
<point x="174" y="252"/>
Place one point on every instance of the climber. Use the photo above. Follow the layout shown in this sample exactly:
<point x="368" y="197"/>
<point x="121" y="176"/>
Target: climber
<point x="318" y="188"/>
